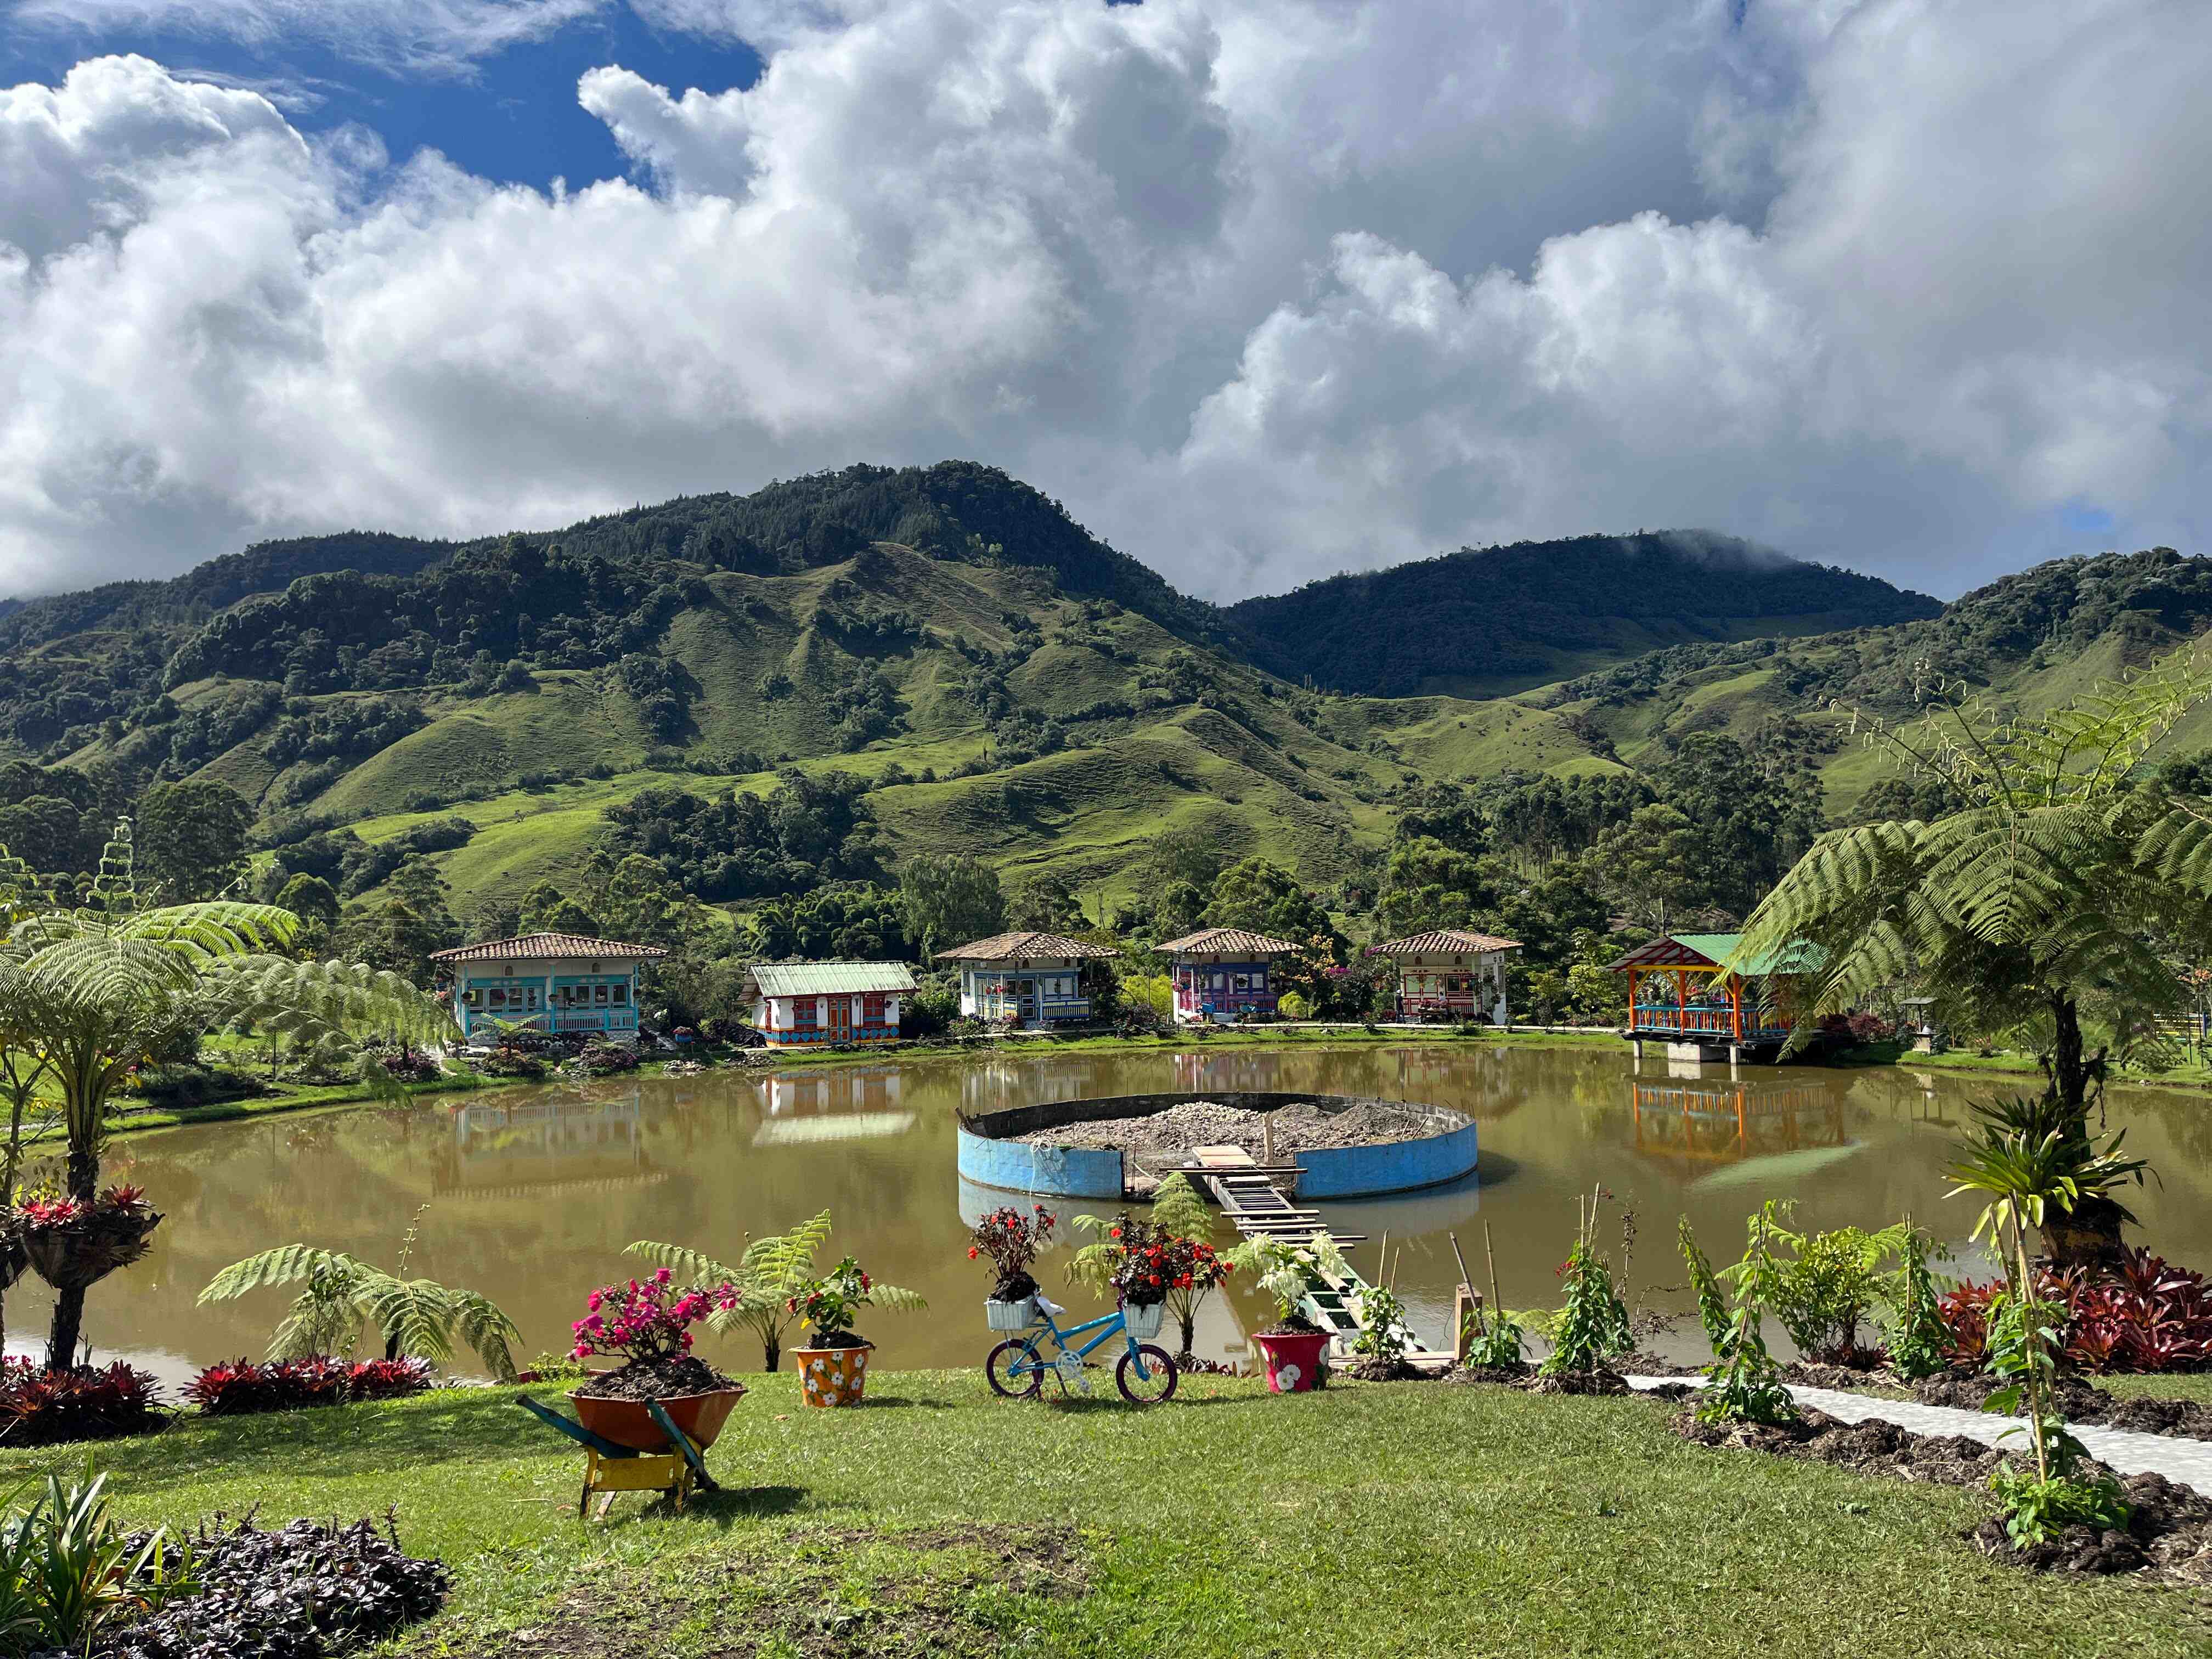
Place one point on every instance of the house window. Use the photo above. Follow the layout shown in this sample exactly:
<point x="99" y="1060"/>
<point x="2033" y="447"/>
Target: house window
<point x="804" y="1008"/>
<point x="598" y="996"/>
<point x="498" y="997"/>
<point x="872" y="1008"/>
<point x="621" y="994"/>
<point x="472" y="998"/>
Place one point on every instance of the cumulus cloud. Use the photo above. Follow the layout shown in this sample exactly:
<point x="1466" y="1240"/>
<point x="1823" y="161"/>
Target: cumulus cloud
<point x="436" y="37"/>
<point x="1261" y="290"/>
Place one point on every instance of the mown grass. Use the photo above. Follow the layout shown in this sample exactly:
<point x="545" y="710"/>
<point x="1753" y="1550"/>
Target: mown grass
<point x="2158" y="1385"/>
<point x="1384" y="1520"/>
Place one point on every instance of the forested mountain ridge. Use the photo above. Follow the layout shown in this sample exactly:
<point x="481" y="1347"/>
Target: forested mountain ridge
<point x="938" y="660"/>
<point x="1484" y="622"/>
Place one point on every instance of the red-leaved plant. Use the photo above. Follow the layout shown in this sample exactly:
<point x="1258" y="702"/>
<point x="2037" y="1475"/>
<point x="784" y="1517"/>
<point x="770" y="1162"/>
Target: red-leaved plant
<point x="646" y="1320"/>
<point x="2143" y="1314"/>
<point x="238" y="1388"/>
<point x="40" y="1407"/>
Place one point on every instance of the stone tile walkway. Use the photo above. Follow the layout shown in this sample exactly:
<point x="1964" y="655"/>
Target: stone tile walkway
<point x="2189" y="1462"/>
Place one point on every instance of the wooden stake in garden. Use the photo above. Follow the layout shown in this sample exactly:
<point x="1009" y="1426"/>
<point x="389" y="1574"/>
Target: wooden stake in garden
<point x="1468" y="1279"/>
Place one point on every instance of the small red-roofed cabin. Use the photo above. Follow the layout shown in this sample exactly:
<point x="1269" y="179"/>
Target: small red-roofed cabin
<point x="1221" y="974"/>
<point x="1450" y="974"/>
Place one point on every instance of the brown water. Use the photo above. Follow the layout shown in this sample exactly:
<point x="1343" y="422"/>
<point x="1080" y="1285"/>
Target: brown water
<point x="529" y="1196"/>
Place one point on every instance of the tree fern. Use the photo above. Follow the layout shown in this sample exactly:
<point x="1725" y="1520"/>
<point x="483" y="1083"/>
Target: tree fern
<point x="407" y="1315"/>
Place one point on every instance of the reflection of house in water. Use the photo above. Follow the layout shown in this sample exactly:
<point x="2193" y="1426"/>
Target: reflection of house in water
<point x="1721" y="1121"/>
<point x="852" y="1103"/>
<point x="1229" y="1072"/>
<point x="536" y="1145"/>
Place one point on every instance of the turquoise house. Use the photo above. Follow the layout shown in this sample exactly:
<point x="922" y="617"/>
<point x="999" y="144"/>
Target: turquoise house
<point x="553" y="982"/>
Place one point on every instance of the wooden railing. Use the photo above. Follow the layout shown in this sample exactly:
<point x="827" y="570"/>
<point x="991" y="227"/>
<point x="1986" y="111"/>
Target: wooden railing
<point x="1707" y="1020"/>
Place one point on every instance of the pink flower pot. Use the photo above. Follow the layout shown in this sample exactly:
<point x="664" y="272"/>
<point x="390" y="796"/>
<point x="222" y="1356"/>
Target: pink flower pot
<point x="1293" y="1361"/>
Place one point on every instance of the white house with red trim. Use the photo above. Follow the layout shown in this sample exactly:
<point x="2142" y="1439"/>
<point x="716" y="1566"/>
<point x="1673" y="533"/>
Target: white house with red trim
<point x="549" y="981"/>
<point x="1450" y="974"/>
<point x="808" y="1005"/>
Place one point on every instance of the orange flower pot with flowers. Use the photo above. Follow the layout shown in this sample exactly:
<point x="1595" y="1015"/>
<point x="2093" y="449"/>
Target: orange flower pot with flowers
<point x="834" y="1369"/>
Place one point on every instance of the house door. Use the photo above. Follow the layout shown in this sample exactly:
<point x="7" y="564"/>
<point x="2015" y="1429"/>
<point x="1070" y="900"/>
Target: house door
<point x="841" y="1019"/>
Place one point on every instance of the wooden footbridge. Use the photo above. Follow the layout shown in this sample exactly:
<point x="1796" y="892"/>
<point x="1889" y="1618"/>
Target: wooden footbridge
<point x="1254" y="1204"/>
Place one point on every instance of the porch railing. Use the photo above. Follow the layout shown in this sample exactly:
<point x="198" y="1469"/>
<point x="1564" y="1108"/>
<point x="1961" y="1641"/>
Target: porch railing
<point x="1707" y="1020"/>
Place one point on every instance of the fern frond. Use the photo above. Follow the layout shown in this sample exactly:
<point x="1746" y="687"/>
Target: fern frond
<point x="288" y="1264"/>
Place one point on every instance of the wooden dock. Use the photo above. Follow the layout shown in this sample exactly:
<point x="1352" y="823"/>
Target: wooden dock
<point x="1255" y="1207"/>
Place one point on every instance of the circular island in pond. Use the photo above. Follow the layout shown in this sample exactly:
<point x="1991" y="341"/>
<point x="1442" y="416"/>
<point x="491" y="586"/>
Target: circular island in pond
<point x="1119" y="1146"/>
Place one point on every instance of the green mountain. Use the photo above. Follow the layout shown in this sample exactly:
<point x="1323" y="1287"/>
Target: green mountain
<point x="997" y="681"/>
<point x="1483" y="623"/>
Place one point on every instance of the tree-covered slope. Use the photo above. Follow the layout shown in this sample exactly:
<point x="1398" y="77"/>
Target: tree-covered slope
<point x="1483" y="622"/>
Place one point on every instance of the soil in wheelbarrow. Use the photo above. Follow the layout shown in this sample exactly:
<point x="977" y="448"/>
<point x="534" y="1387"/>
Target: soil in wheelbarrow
<point x="665" y="1378"/>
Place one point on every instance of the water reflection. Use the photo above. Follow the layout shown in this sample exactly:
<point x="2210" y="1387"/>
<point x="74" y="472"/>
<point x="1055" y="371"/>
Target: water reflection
<point x="529" y="1196"/>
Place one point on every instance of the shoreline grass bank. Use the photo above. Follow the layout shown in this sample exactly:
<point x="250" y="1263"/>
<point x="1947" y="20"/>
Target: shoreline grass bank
<point x="1369" y="1520"/>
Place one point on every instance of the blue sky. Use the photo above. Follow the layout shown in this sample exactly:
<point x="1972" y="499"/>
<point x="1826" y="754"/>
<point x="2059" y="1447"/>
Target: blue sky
<point x="511" y="116"/>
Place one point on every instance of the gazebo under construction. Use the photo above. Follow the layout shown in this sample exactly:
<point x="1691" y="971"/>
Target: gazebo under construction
<point x="1695" y="994"/>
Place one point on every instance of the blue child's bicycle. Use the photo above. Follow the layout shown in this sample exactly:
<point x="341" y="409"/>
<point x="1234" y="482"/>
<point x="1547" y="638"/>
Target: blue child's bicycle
<point x="1017" y="1368"/>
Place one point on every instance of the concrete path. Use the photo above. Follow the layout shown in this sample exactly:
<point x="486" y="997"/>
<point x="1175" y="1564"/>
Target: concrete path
<point x="2186" y="1462"/>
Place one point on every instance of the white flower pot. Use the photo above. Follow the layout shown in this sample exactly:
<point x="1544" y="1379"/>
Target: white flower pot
<point x="1011" y="1315"/>
<point x="1143" y="1322"/>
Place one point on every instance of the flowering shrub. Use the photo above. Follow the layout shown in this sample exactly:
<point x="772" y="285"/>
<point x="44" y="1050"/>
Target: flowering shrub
<point x="38" y="1407"/>
<point x="2144" y="1315"/>
<point x="1013" y="1240"/>
<point x="238" y="1388"/>
<point x="646" y="1321"/>
<point x="830" y="1303"/>
<point x="1856" y="1031"/>
<point x="38" y="1213"/>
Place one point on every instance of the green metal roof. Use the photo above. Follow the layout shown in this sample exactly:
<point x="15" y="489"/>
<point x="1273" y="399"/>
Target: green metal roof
<point x="1797" y="956"/>
<point x="808" y="979"/>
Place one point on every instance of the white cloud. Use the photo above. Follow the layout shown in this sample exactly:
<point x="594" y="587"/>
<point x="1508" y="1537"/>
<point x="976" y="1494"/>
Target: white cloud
<point x="1260" y="289"/>
<point x="438" y="37"/>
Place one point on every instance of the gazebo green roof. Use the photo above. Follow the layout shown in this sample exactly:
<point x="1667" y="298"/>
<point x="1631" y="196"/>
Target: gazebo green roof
<point x="1720" y="950"/>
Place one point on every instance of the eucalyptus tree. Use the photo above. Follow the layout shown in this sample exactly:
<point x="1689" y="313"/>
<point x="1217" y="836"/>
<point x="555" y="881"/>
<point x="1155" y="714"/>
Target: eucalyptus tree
<point x="2041" y="906"/>
<point x="99" y="986"/>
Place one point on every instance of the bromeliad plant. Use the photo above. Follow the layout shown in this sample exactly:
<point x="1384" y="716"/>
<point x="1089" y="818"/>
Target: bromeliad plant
<point x="829" y="1305"/>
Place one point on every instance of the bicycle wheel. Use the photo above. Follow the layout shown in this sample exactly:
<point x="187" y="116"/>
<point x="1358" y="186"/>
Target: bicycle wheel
<point x="1157" y="1386"/>
<point x="1014" y="1369"/>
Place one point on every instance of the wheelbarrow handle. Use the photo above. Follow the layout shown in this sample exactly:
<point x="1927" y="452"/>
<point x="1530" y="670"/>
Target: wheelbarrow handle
<point x="685" y="1446"/>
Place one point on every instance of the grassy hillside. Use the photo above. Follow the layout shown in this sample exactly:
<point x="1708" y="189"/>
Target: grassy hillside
<point x="1010" y="686"/>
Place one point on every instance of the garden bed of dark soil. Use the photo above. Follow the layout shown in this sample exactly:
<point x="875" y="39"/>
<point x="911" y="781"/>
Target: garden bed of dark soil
<point x="1303" y="1128"/>
<point x="831" y="1594"/>
<point x="2169" y="1533"/>
<point x="1529" y="1378"/>
<point x="1370" y="1370"/>
<point x="657" y="1379"/>
<point x="2080" y="1401"/>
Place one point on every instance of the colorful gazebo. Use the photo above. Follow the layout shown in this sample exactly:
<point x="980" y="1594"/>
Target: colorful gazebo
<point x="1225" y="974"/>
<point x="1698" y="994"/>
<point x="1450" y="974"/>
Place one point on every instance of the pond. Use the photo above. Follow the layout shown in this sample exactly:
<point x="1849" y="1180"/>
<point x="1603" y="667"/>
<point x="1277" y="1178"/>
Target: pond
<point x="529" y="1195"/>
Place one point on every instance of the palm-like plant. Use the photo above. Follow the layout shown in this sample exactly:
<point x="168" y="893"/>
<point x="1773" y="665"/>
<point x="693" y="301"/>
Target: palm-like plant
<point x="2038" y="907"/>
<point x="98" y="987"/>
<point x="343" y="1294"/>
<point x="771" y="1272"/>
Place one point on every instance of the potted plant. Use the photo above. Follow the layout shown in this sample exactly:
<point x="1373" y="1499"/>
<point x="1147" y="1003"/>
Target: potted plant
<point x="74" y="1244"/>
<point x="1013" y="1240"/>
<point x="1294" y="1345"/>
<point x="834" y="1371"/>
<point x="1139" y="1261"/>
<point x="648" y="1325"/>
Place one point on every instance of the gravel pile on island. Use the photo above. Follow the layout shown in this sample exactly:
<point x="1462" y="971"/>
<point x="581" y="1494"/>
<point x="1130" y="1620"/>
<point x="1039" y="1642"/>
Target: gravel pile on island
<point x="1304" y="1127"/>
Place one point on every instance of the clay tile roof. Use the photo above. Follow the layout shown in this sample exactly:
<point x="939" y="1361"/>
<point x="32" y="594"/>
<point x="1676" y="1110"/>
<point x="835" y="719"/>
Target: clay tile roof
<point x="1231" y="938"/>
<point x="1023" y="947"/>
<point x="545" y="947"/>
<point x="1442" y="939"/>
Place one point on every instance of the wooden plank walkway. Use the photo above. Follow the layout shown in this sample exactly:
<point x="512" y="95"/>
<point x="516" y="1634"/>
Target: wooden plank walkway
<point x="1255" y="1207"/>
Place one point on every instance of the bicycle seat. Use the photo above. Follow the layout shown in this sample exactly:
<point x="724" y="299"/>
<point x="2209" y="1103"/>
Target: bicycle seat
<point x="1052" y="1308"/>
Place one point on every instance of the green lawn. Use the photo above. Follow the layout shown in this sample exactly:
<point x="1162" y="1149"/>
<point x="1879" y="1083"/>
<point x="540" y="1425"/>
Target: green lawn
<point x="1385" y="1520"/>
<point x="2162" y="1385"/>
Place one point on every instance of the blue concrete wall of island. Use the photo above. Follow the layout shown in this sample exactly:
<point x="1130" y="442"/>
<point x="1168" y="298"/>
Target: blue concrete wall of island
<point x="1018" y="1166"/>
<point x="1369" y="1171"/>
